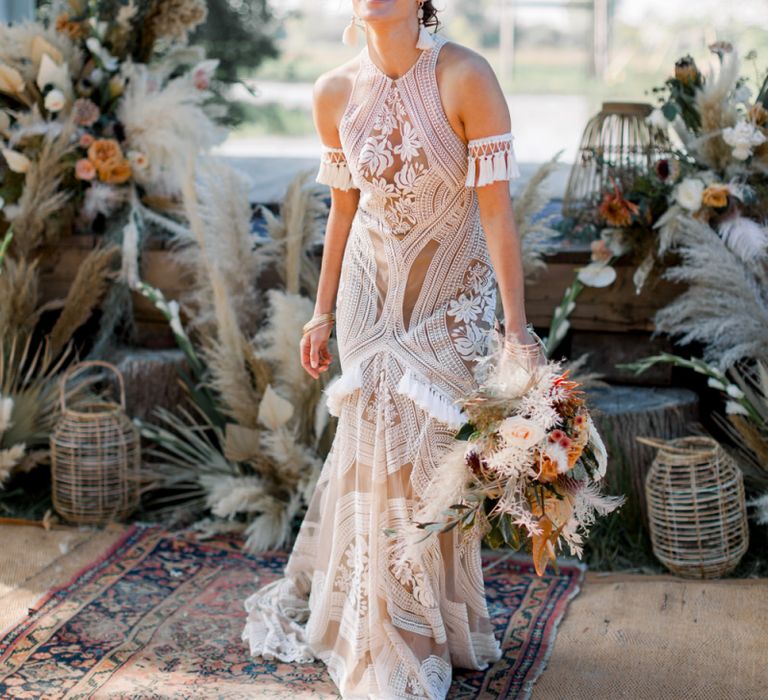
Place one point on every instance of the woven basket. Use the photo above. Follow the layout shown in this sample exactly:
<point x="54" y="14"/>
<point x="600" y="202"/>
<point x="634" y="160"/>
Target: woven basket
<point x="617" y="141"/>
<point x="95" y="457"/>
<point x="696" y="508"/>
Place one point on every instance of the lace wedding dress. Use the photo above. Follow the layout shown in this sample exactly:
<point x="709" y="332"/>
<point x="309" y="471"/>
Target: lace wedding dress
<point x="415" y="307"/>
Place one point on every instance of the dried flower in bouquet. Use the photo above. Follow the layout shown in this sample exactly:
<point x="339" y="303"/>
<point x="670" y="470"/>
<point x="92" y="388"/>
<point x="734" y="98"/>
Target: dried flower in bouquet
<point x="526" y="465"/>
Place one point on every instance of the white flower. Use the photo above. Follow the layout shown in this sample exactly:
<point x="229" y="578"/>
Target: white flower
<point x="55" y="100"/>
<point x="715" y="384"/>
<point x="109" y="62"/>
<point x="558" y="455"/>
<point x="173" y="311"/>
<point x="734" y="392"/>
<point x="742" y="138"/>
<point x="656" y="119"/>
<point x="689" y="192"/>
<point x="615" y="240"/>
<point x="52" y="73"/>
<point x="520" y="432"/>
<point x="17" y="162"/>
<point x="735" y="408"/>
<point x="742" y="94"/>
<point x="138" y="160"/>
<point x="6" y="408"/>
<point x="597" y="274"/>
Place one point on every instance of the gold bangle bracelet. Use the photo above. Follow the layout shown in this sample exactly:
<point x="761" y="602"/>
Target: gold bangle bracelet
<point x="317" y="321"/>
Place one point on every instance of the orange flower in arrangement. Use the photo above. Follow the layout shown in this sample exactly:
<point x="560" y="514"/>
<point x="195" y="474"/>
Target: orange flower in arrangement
<point x="715" y="196"/>
<point x="110" y="163"/>
<point x="74" y="30"/>
<point x="616" y="210"/>
<point x="548" y="468"/>
<point x="552" y="519"/>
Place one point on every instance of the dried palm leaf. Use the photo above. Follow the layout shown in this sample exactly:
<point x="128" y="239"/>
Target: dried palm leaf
<point x="29" y="379"/>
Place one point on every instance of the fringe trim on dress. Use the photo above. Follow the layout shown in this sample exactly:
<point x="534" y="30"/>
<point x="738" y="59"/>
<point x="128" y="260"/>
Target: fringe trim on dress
<point x="430" y="399"/>
<point x="342" y="386"/>
<point x="496" y="159"/>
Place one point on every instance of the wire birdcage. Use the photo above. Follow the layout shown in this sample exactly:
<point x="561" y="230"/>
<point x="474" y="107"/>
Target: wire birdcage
<point x="617" y="142"/>
<point x="95" y="457"/>
<point x="696" y="507"/>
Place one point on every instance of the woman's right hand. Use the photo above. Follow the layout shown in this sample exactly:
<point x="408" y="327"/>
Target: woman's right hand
<point x="315" y="356"/>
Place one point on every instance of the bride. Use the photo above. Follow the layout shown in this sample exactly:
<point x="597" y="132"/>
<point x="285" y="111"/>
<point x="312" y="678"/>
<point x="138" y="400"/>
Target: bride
<point x="418" y="154"/>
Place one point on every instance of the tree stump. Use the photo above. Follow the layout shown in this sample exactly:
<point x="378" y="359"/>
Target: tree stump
<point x="623" y="413"/>
<point x="151" y="379"/>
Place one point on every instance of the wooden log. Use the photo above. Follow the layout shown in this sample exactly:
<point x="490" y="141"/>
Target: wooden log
<point x="151" y="379"/>
<point x="621" y="414"/>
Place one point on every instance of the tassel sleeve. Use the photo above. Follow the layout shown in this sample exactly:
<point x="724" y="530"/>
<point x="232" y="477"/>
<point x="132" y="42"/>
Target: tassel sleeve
<point x="491" y="159"/>
<point x="334" y="170"/>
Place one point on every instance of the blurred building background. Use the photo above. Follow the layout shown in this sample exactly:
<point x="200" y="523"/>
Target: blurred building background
<point x="557" y="60"/>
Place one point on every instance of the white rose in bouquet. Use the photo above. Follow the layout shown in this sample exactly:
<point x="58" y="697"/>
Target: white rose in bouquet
<point x="689" y="192"/>
<point x="742" y="138"/>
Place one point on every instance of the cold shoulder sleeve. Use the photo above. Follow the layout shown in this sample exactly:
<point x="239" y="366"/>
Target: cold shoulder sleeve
<point x="491" y="159"/>
<point x="334" y="169"/>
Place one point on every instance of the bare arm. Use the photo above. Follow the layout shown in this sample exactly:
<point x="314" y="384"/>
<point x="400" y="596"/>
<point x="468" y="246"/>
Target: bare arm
<point x="330" y="96"/>
<point x="482" y="110"/>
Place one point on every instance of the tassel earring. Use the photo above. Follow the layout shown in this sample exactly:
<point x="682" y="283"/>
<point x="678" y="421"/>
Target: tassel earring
<point x="425" y="38"/>
<point x="349" y="38"/>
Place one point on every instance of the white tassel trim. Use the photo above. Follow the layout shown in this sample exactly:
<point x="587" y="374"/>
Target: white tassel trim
<point x="335" y="175"/>
<point x="496" y="159"/>
<point x="431" y="400"/>
<point x="342" y="386"/>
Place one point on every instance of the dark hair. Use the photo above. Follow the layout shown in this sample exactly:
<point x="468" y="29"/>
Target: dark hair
<point x="430" y="15"/>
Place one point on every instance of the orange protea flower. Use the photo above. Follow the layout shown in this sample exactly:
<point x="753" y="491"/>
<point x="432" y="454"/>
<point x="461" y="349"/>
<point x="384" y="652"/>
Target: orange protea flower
<point x="715" y="196"/>
<point x="616" y="210"/>
<point x="116" y="173"/>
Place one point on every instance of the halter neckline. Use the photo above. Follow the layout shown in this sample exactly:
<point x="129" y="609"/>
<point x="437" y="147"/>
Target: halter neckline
<point x="414" y="65"/>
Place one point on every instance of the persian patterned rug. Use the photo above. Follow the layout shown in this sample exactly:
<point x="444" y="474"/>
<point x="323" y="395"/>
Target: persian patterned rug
<point x="160" y="616"/>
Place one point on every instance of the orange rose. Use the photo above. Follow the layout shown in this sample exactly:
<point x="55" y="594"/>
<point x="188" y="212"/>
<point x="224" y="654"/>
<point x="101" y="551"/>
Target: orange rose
<point x="715" y="196"/>
<point x="102" y="152"/>
<point x="116" y="173"/>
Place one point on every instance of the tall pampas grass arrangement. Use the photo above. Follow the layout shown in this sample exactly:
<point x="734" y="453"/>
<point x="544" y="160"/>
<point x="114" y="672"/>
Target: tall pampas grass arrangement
<point x="725" y="307"/>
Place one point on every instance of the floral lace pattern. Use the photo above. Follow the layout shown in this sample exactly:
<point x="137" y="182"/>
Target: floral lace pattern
<point x="392" y="160"/>
<point x="476" y="303"/>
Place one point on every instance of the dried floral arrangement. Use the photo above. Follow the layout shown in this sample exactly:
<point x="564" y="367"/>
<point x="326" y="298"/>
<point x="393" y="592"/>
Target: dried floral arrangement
<point x="100" y="105"/>
<point x="718" y="176"/>
<point x="526" y="466"/>
<point x="246" y="450"/>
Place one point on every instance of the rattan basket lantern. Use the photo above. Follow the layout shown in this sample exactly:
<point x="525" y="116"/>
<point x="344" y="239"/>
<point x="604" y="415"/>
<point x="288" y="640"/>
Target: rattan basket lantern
<point x="696" y="508"/>
<point x="95" y="457"/>
<point x="616" y="142"/>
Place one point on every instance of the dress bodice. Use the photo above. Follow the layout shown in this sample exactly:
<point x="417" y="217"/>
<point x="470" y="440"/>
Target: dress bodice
<point x="416" y="278"/>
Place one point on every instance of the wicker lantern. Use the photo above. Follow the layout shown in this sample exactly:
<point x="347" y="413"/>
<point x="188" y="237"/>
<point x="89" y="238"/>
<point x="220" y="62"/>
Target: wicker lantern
<point x="616" y="142"/>
<point x="95" y="457"/>
<point x="696" y="508"/>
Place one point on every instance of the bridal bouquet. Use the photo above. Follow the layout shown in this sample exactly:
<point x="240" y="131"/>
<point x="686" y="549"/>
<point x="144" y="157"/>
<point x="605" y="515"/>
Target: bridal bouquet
<point x="527" y="464"/>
